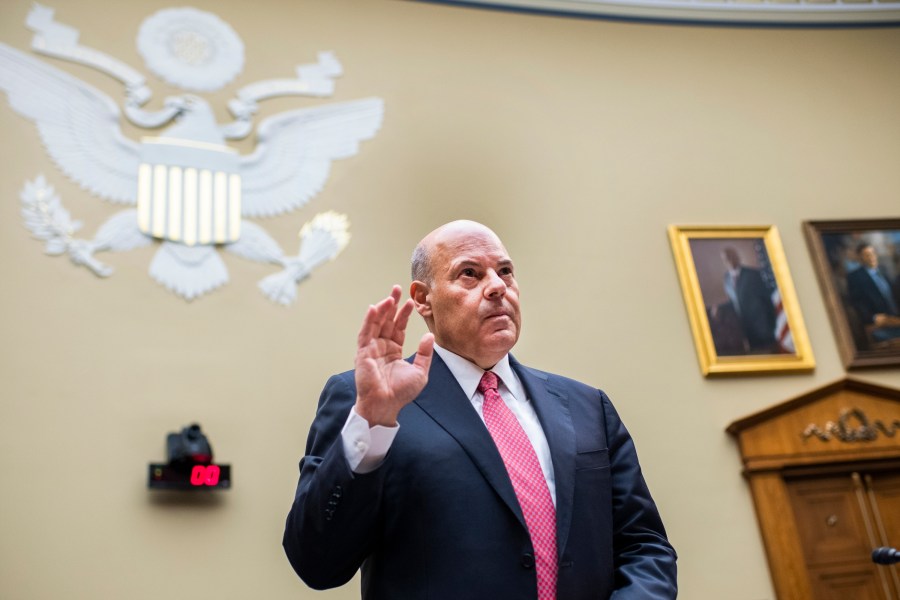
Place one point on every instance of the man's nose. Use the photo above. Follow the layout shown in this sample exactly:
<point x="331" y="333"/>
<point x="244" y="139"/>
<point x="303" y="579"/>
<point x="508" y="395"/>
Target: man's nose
<point x="495" y="285"/>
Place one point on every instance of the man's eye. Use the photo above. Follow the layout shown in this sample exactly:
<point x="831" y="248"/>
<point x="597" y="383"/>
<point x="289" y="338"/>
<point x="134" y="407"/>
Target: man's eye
<point x="505" y="271"/>
<point x="467" y="273"/>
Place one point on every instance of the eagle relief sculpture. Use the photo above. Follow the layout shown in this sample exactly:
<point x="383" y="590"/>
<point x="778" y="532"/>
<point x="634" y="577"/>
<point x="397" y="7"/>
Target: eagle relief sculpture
<point x="191" y="192"/>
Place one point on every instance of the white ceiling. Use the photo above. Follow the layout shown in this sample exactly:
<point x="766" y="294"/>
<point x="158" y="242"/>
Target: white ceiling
<point x="762" y="12"/>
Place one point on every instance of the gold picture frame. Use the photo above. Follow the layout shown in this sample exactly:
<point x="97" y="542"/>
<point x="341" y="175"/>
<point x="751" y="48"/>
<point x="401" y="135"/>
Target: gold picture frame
<point x="740" y="299"/>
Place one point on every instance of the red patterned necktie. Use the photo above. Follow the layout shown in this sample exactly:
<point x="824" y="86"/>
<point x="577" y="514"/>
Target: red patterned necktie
<point x="528" y="482"/>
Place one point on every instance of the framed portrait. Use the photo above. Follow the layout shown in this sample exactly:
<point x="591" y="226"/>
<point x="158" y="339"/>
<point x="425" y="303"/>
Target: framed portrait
<point x="740" y="299"/>
<point x="858" y="266"/>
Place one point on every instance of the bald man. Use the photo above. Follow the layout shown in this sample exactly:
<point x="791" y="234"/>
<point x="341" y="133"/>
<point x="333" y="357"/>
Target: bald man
<point x="462" y="474"/>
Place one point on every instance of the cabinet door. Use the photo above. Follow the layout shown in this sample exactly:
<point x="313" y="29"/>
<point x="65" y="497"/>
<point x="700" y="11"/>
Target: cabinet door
<point x="883" y="490"/>
<point x="857" y="581"/>
<point x="837" y="534"/>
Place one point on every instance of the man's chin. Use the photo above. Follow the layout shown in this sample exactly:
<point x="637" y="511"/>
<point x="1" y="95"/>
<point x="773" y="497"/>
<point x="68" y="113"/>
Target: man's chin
<point x="501" y="341"/>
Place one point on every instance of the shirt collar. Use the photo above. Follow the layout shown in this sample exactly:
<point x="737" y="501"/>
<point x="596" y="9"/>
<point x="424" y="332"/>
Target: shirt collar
<point x="468" y="374"/>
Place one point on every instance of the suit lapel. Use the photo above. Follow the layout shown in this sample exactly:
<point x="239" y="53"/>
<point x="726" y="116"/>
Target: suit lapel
<point x="445" y="402"/>
<point x="552" y="408"/>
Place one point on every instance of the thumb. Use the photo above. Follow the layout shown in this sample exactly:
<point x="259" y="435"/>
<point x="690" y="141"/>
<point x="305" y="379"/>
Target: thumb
<point x="425" y="352"/>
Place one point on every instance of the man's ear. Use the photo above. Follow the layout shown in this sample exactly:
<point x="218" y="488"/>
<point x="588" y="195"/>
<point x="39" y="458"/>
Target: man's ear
<point x="421" y="295"/>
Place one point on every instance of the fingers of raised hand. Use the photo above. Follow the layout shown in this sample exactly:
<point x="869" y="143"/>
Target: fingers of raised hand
<point x="369" y="327"/>
<point x="376" y="316"/>
<point x="380" y="319"/>
<point x="389" y="315"/>
<point x="400" y="321"/>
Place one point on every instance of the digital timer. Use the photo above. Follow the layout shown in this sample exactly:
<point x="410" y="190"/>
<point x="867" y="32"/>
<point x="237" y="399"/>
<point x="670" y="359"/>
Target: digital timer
<point x="190" y="465"/>
<point x="192" y="477"/>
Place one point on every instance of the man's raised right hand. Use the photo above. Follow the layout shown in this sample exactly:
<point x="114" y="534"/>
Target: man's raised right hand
<point x="385" y="382"/>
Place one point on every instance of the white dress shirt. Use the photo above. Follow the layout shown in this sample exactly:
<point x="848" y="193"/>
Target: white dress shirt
<point x="365" y="447"/>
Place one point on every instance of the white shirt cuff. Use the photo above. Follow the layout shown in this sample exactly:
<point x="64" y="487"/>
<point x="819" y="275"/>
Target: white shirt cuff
<point x="365" y="447"/>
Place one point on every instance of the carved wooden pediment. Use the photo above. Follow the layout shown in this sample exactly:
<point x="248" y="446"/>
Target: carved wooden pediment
<point x="845" y="421"/>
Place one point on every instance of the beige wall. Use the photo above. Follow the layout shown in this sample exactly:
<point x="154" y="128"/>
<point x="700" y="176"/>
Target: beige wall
<point x="579" y="141"/>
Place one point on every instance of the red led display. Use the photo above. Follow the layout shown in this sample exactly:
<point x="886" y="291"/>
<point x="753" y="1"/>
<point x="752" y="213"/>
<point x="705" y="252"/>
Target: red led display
<point x="189" y="477"/>
<point x="205" y="475"/>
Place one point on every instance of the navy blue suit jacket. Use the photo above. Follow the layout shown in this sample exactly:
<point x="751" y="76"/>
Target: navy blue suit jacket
<point x="866" y="297"/>
<point x="439" y="518"/>
<point x="756" y="310"/>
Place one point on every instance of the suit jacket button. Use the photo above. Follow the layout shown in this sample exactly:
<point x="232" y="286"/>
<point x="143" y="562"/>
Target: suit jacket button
<point x="527" y="561"/>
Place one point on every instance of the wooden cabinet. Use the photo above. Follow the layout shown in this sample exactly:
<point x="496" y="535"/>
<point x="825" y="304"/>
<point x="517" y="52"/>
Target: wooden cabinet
<point x="824" y="471"/>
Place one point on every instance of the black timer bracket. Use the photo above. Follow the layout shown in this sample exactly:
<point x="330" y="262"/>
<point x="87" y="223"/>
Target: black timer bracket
<point x="190" y="465"/>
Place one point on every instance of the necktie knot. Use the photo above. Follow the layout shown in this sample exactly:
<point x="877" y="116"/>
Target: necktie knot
<point x="489" y="381"/>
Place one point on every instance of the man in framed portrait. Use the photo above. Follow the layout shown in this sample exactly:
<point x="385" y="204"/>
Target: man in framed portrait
<point x="751" y="299"/>
<point x="874" y="297"/>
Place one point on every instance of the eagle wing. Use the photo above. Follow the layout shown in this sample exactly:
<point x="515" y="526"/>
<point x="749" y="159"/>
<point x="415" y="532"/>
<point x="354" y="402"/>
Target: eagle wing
<point x="78" y="125"/>
<point x="295" y="150"/>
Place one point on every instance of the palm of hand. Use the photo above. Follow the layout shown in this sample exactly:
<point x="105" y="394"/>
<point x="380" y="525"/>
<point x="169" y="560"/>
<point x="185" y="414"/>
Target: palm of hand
<point x="385" y="382"/>
<point x="383" y="377"/>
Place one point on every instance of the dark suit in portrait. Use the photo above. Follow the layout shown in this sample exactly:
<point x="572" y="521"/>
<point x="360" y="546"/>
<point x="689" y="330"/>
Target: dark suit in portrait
<point x="751" y="299"/>
<point x="871" y="294"/>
